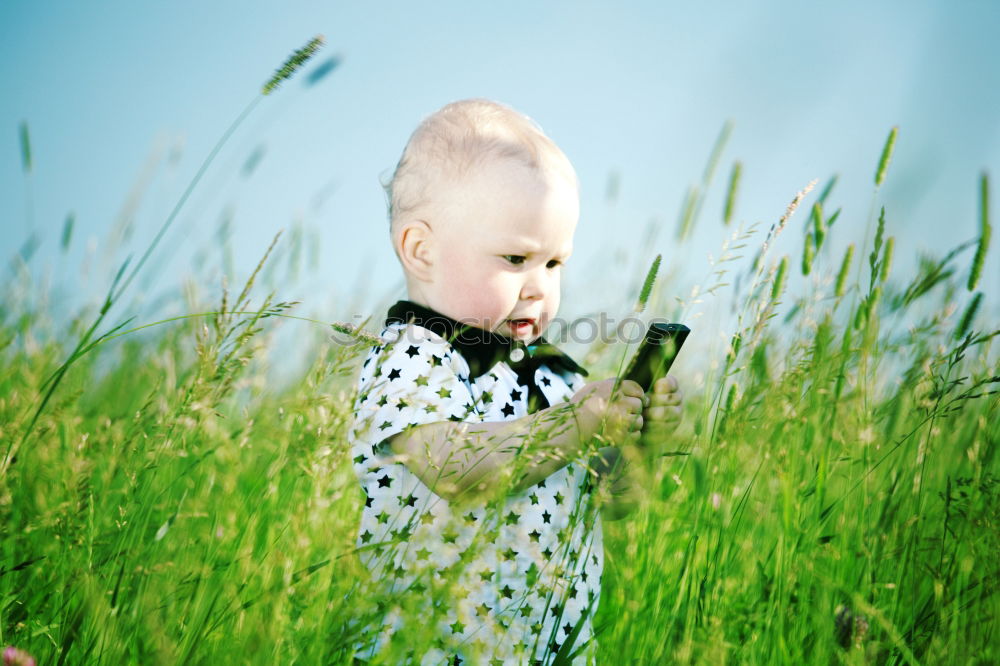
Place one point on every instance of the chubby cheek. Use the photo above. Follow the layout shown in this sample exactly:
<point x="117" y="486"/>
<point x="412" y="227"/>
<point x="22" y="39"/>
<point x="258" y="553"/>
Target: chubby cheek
<point x="496" y="299"/>
<point x="476" y="293"/>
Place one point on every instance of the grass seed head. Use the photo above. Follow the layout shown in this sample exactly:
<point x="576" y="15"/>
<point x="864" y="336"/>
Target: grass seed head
<point x="890" y="245"/>
<point x="67" y="232"/>
<point x="294" y="62"/>
<point x="356" y="332"/>
<point x="819" y="227"/>
<point x="827" y="189"/>
<point x="845" y="267"/>
<point x="25" y="147"/>
<point x="647" y="284"/>
<point x="985" y="231"/>
<point x="883" y="163"/>
<point x="968" y="316"/>
<point x="779" y="279"/>
<point x="808" y="252"/>
<point x="795" y="203"/>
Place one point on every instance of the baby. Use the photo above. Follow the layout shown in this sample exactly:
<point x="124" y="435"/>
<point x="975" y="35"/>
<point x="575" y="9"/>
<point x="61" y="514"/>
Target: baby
<point x="476" y="440"/>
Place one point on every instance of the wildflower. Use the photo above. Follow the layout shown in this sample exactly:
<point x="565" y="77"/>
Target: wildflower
<point x="13" y="656"/>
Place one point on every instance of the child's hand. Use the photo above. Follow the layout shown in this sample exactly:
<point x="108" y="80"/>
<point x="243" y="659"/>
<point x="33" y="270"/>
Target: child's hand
<point x="662" y="413"/>
<point x="620" y="414"/>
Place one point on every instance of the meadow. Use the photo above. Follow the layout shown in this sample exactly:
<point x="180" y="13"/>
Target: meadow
<point x="833" y="495"/>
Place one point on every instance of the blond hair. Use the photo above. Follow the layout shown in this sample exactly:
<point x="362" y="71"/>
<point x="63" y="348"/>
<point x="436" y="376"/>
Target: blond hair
<point x="452" y="142"/>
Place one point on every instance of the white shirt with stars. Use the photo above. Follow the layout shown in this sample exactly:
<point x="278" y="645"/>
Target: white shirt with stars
<point x="528" y="575"/>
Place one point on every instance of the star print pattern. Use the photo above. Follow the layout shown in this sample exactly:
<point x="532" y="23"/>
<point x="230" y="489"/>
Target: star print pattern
<point x="519" y="585"/>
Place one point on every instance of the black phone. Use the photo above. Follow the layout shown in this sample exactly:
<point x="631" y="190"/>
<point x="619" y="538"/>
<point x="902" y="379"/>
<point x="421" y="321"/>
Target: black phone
<point x="656" y="353"/>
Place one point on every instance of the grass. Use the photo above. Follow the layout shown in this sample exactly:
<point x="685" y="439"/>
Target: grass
<point x="838" y="501"/>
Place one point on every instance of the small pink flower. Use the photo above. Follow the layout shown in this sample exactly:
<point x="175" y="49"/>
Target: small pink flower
<point x="13" y="656"/>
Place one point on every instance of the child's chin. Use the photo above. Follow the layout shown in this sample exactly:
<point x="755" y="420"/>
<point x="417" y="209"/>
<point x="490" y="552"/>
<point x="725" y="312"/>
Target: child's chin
<point x="528" y="338"/>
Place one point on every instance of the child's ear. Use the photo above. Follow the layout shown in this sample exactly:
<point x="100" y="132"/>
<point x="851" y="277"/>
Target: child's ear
<point x="414" y="249"/>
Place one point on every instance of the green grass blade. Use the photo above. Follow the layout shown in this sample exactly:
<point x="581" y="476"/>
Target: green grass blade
<point x="731" y="192"/>
<point x="67" y="232"/>
<point x="25" y="138"/>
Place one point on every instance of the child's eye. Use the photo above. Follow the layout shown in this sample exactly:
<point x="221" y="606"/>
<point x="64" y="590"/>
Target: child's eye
<point x="515" y="259"/>
<point x="553" y="263"/>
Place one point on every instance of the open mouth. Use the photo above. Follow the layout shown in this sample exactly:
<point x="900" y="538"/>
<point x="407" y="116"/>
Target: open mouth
<point x="521" y="325"/>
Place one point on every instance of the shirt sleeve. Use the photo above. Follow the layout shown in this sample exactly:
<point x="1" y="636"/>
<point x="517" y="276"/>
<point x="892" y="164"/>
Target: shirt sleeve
<point x="575" y="382"/>
<point x="558" y="387"/>
<point x="412" y="379"/>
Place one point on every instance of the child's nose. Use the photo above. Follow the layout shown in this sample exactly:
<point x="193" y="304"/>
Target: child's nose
<point x="534" y="287"/>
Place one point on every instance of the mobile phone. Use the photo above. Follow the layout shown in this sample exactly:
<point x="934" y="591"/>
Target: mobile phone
<point x="656" y="353"/>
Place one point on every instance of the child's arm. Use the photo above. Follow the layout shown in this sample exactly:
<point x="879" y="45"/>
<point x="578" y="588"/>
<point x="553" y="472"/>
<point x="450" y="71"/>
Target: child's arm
<point x="469" y="460"/>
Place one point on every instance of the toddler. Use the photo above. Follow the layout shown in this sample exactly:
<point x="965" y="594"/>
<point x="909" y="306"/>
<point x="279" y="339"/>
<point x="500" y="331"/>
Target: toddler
<point x="472" y="433"/>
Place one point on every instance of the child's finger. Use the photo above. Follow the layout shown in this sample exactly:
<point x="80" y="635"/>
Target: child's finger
<point x="660" y="399"/>
<point x="663" y="413"/>
<point x="666" y="384"/>
<point x="633" y="404"/>
<point x="630" y="388"/>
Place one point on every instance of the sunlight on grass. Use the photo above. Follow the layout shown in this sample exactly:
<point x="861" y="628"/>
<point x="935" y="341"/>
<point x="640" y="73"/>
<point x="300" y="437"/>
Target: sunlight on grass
<point x="836" y="499"/>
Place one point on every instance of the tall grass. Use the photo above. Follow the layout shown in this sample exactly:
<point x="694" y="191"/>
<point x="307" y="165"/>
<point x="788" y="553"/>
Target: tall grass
<point x="837" y="501"/>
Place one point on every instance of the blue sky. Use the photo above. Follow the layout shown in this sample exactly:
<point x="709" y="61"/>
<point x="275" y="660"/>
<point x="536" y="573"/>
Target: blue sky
<point x="120" y="93"/>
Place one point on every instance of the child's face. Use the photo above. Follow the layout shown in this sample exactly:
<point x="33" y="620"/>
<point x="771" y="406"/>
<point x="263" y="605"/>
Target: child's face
<point x="500" y="243"/>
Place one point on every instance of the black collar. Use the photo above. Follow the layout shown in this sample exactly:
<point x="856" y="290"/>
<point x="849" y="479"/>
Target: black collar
<point x="483" y="349"/>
